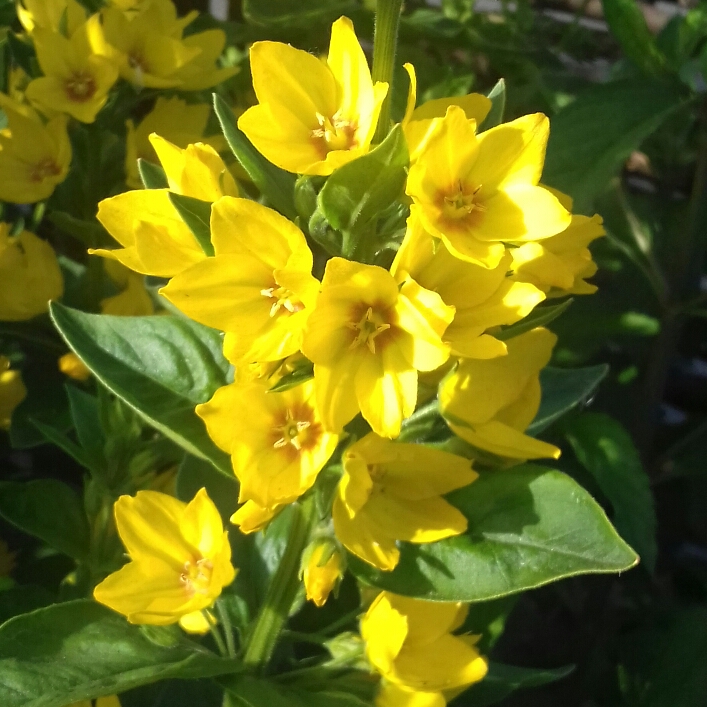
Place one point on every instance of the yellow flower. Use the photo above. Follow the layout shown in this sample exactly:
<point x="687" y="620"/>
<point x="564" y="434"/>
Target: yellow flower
<point x="111" y="701"/>
<point x="258" y="287"/>
<point x="76" y="81"/>
<point x="251" y="517"/>
<point x="276" y="440"/>
<point x="180" y="559"/>
<point x="490" y="403"/>
<point x="482" y="297"/>
<point x="313" y="116"/>
<point x="368" y="338"/>
<point x="478" y="192"/>
<point x="392" y="695"/>
<point x="196" y="171"/>
<point x="29" y="275"/>
<point x="73" y="367"/>
<point x="411" y="644"/>
<point x="418" y="123"/>
<point x="392" y="491"/>
<point x="148" y="49"/>
<point x="51" y="15"/>
<point x="133" y="300"/>
<point x="155" y="240"/>
<point x="34" y="157"/>
<point x="559" y="265"/>
<point x="323" y="569"/>
<point x="12" y="392"/>
<point x="175" y="120"/>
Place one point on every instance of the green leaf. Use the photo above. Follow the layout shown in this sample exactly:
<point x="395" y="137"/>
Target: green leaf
<point x="81" y="650"/>
<point x="607" y="452"/>
<point x="564" y="389"/>
<point x="48" y="510"/>
<point x="592" y="137"/>
<point x="85" y="414"/>
<point x="361" y="189"/>
<point x="296" y="377"/>
<point x="152" y="175"/>
<point x="497" y="95"/>
<point x="160" y="366"/>
<point x="528" y="526"/>
<point x="197" y="216"/>
<point x="540" y="316"/>
<point x="628" y="25"/>
<point x="289" y="13"/>
<point x="59" y="439"/>
<point x="91" y="233"/>
<point x="501" y="680"/>
<point x="276" y="185"/>
<point x="22" y="599"/>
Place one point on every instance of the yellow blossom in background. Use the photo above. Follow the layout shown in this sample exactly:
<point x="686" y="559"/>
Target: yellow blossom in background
<point x="12" y="392"/>
<point x="202" y="71"/>
<point x="276" y="441"/>
<point x="133" y="300"/>
<point x="76" y="81"/>
<point x="560" y="264"/>
<point x="73" y="367"/>
<point x="392" y="491"/>
<point x="322" y="571"/>
<point x="312" y="115"/>
<point x="418" y="123"/>
<point x="368" y="338"/>
<point x="490" y="403"/>
<point x="155" y="240"/>
<point x="173" y="119"/>
<point x="478" y="192"/>
<point x="34" y="157"/>
<point x="482" y="297"/>
<point x="29" y="275"/>
<point x="258" y="287"/>
<point x="411" y="644"/>
<point x="180" y="560"/>
<point x="51" y="15"/>
<point x="196" y="171"/>
<point x="110" y="701"/>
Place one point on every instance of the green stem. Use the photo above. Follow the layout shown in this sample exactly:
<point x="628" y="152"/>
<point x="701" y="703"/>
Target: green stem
<point x="281" y="593"/>
<point x="225" y="620"/>
<point x="385" y="41"/>
<point x="218" y="640"/>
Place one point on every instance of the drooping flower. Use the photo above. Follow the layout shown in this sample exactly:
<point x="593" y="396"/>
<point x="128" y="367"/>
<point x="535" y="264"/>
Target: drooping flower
<point x="490" y="403"/>
<point x="478" y="192"/>
<point x="411" y="644"/>
<point x="51" y="15"/>
<point x="258" y="287"/>
<point x="368" y="338"/>
<point x="482" y="297"/>
<point x="559" y="265"/>
<point x="29" y="275"/>
<point x="133" y="300"/>
<point x="323" y="568"/>
<point x="34" y="157"/>
<point x="155" y="240"/>
<point x="276" y="441"/>
<point x="12" y="392"/>
<point x="180" y="560"/>
<point x="392" y="491"/>
<point x="418" y="123"/>
<point x="196" y="171"/>
<point x="173" y="119"/>
<point x="76" y="81"/>
<point x="313" y="116"/>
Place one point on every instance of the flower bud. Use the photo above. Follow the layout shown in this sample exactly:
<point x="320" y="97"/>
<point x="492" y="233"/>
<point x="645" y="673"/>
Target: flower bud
<point x="322" y="571"/>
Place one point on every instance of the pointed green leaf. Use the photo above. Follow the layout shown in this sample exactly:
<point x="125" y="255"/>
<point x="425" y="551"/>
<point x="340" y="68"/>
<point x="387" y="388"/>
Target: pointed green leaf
<point x="152" y="175"/>
<point x="497" y="96"/>
<point x="81" y="650"/>
<point x="276" y="185"/>
<point x="86" y="416"/>
<point x="197" y="216"/>
<point x="528" y="526"/>
<point x="161" y="366"/>
<point x="59" y="439"/>
<point x="49" y="510"/>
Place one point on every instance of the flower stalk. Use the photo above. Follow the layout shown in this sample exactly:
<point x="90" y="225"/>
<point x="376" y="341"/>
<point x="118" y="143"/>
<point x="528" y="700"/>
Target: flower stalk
<point x="385" y="43"/>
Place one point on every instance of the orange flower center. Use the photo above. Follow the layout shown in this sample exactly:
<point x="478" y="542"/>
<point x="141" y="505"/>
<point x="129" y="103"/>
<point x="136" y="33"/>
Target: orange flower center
<point x="462" y="201"/>
<point x="137" y="62"/>
<point x="295" y="429"/>
<point x="335" y="133"/>
<point x="283" y="299"/>
<point x="43" y="169"/>
<point x="80" y="86"/>
<point x="367" y="329"/>
<point x="196" y="577"/>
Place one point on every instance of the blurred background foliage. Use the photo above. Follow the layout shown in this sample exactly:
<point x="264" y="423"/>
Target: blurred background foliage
<point x="625" y="86"/>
